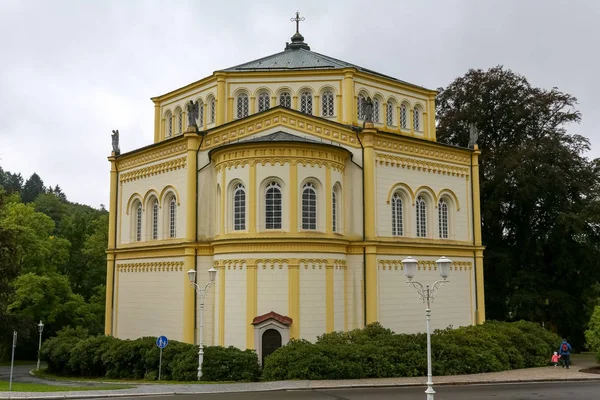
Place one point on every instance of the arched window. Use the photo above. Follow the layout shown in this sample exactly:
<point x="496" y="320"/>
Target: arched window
<point x="213" y="109"/>
<point x="334" y="210"/>
<point x="285" y="100"/>
<point x="200" y="113"/>
<point x="443" y="218"/>
<point x="169" y="124"/>
<point x="397" y="216"/>
<point x="376" y="109"/>
<point x="421" y="206"/>
<point x="389" y="113"/>
<point x="306" y="103"/>
<point x="417" y="119"/>
<point x="155" y="220"/>
<point x="264" y="101"/>
<point x="273" y="207"/>
<point x="360" y="111"/>
<point x="179" y="115"/>
<point x="172" y="216"/>
<point x="309" y="206"/>
<point x="327" y="104"/>
<point x="138" y="223"/>
<point x="403" y="117"/>
<point x="242" y="105"/>
<point x="239" y="208"/>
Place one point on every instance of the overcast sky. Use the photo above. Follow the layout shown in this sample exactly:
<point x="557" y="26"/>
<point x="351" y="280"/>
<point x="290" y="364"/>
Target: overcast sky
<point x="71" y="71"/>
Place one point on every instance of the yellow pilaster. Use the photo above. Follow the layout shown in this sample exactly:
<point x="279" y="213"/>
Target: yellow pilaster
<point x="372" y="292"/>
<point x="431" y="130"/>
<point x="348" y="88"/>
<point x="329" y="297"/>
<point x="317" y="110"/>
<point x="156" y="123"/>
<point x="328" y="201"/>
<point x="293" y="197"/>
<point x="206" y="116"/>
<point x="339" y="109"/>
<point x="188" y="297"/>
<point x="251" y="303"/>
<point x="230" y="108"/>
<point x="411" y="125"/>
<point x="223" y="196"/>
<point x="109" y="294"/>
<point x="369" y="171"/>
<point x="477" y="236"/>
<point x="222" y="305"/>
<point x="252" y="199"/>
<point x="273" y="101"/>
<point x="294" y="299"/>
<point x="345" y="298"/>
<point x="193" y="141"/>
<point x="294" y="102"/>
<point x="252" y="105"/>
<point x="221" y="98"/>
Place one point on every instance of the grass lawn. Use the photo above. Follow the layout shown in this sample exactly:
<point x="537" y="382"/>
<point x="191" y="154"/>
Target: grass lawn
<point x="34" y="387"/>
<point x="46" y="375"/>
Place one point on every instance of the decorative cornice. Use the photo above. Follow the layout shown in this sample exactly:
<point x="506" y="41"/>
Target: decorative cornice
<point x="159" y="154"/>
<point x="155" y="169"/>
<point x="421" y="165"/>
<point x="423" y="265"/>
<point x="160" y="266"/>
<point x="427" y="150"/>
<point x="313" y="262"/>
<point x="272" y="262"/>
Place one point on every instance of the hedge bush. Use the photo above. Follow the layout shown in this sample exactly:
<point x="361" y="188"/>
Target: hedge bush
<point x="592" y="334"/>
<point x="74" y="353"/>
<point x="376" y="352"/>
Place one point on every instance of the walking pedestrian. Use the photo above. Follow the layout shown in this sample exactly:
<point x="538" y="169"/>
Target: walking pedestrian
<point x="565" y="353"/>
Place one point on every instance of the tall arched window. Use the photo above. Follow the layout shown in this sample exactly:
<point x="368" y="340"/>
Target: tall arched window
<point x="376" y="109"/>
<point x="138" y="223"/>
<point x="169" y="124"/>
<point x="239" y="208"/>
<point x="155" y="219"/>
<point x="397" y="216"/>
<point x="242" y="105"/>
<point x="443" y="218"/>
<point x="273" y="208"/>
<point x="264" y="101"/>
<point x="172" y="216"/>
<point x="403" y="117"/>
<point x="309" y="206"/>
<point x="327" y="104"/>
<point x="334" y="210"/>
<point x="179" y="115"/>
<point x="421" y="206"/>
<point x="285" y="100"/>
<point x="389" y="113"/>
<point x="360" y="111"/>
<point x="417" y="119"/>
<point x="200" y="113"/>
<point x="306" y="103"/>
<point x="213" y="109"/>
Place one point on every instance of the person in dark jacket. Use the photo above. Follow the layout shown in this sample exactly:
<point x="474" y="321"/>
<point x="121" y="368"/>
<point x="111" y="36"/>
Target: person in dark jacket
<point x="565" y="353"/>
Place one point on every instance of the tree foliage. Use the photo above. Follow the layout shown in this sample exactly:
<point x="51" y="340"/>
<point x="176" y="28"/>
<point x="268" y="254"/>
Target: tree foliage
<point x="539" y="196"/>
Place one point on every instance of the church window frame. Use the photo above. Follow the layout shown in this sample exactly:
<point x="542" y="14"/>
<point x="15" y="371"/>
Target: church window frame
<point x="404" y="116"/>
<point x="327" y="104"/>
<point x="154" y="203"/>
<point x="264" y="101"/>
<point x="138" y="222"/>
<point x="285" y="99"/>
<point x="172" y="217"/>
<point x="417" y="116"/>
<point x="336" y="201"/>
<point x="376" y="110"/>
<point x="397" y="214"/>
<point x="212" y="105"/>
<point x="242" y="105"/>
<point x="360" y="110"/>
<point x="389" y="112"/>
<point x="306" y="102"/>
<point x="200" y="113"/>
<point x="309" y="206"/>
<point x="239" y="207"/>
<point x="443" y="218"/>
<point x="168" y="124"/>
<point x="179" y="118"/>
<point x="421" y="216"/>
<point x="273" y="206"/>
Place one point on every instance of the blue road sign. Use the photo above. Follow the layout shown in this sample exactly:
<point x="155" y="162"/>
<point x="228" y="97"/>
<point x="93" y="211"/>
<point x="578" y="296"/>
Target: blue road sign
<point x="162" y="342"/>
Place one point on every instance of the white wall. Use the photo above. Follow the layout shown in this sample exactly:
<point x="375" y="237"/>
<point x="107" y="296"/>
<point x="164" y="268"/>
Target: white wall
<point x="235" y="306"/>
<point x="338" y="298"/>
<point x="204" y="264"/>
<point x="312" y="301"/>
<point x="271" y="289"/>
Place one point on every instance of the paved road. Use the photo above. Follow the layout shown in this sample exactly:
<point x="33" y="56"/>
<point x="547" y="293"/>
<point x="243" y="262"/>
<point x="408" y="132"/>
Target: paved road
<point x="21" y="374"/>
<point x="537" y="391"/>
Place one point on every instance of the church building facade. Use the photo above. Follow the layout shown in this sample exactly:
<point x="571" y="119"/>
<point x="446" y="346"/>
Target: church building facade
<point x="304" y="208"/>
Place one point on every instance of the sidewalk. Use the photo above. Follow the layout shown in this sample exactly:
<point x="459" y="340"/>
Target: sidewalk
<point x="545" y="374"/>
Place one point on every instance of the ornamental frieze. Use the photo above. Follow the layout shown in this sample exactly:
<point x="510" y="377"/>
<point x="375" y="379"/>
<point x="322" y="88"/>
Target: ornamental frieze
<point x="421" y="165"/>
<point x="155" y="169"/>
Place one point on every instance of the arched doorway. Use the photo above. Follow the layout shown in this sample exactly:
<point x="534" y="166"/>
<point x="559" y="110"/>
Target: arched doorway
<point x="271" y="341"/>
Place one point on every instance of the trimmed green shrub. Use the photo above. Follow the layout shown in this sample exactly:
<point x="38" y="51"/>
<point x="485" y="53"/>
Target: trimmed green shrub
<point x="376" y="352"/>
<point x="57" y="351"/>
<point x="230" y="364"/>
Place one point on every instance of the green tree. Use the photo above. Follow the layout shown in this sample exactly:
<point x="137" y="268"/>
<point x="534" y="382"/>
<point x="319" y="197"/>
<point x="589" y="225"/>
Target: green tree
<point x="539" y="195"/>
<point x="592" y="334"/>
<point x="33" y="188"/>
<point x="12" y="183"/>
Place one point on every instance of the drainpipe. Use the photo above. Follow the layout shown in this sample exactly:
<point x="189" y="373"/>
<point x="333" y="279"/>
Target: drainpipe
<point x="114" y="267"/>
<point x="364" y="231"/>
<point x="202" y="133"/>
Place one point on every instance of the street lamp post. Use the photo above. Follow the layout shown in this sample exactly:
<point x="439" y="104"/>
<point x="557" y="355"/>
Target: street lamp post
<point x="40" y="330"/>
<point x="427" y="294"/>
<point x="202" y="292"/>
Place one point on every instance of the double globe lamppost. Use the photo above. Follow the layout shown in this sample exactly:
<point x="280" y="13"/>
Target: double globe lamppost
<point x="427" y="294"/>
<point x="201" y="291"/>
<point x="40" y="330"/>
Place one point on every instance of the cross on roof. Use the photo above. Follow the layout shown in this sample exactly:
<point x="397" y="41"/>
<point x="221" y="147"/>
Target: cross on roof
<point x="297" y="21"/>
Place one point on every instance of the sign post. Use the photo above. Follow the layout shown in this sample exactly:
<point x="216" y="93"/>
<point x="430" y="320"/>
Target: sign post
<point x="161" y="343"/>
<point x="12" y="359"/>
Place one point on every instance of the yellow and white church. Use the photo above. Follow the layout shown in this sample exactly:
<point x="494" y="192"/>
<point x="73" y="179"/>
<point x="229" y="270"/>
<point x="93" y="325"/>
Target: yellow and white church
<point x="305" y="210"/>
